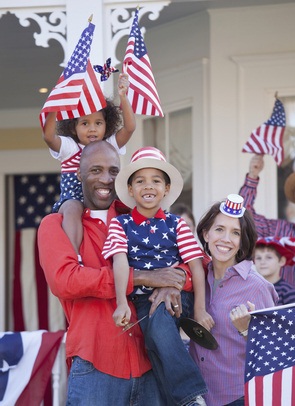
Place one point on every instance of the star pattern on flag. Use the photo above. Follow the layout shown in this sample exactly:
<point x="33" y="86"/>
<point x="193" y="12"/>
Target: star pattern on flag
<point x="79" y="58"/>
<point x="271" y="342"/>
<point x="34" y="198"/>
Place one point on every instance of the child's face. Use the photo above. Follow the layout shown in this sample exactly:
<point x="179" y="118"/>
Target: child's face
<point x="268" y="263"/>
<point x="148" y="188"/>
<point x="91" y="128"/>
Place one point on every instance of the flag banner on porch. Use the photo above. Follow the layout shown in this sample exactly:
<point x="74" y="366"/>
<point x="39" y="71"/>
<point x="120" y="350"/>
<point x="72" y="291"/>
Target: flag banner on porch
<point x="270" y="357"/>
<point x="34" y="307"/>
<point x="268" y="138"/>
<point x="142" y="92"/>
<point x="26" y="360"/>
<point x="77" y="92"/>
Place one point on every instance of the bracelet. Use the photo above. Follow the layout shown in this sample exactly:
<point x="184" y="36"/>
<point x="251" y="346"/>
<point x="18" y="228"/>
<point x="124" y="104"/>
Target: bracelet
<point x="243" y="333"/>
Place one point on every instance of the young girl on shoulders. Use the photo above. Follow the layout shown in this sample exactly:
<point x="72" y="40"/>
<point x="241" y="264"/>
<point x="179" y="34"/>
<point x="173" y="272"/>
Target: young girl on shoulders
<point x="66" y="140"/>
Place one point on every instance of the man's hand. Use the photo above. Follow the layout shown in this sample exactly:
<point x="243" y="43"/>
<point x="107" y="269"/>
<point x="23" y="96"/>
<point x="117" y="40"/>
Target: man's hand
<point x="256" y="166"/>
<point x="170" y="296"/>
<point x="160" y="278"/>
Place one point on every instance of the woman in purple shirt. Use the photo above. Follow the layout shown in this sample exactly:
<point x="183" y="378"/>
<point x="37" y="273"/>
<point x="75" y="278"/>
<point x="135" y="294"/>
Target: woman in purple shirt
<point x="233" y="287"/>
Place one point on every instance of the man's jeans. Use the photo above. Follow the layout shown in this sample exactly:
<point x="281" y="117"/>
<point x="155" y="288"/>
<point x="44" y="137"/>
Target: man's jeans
<point x="89" y="387"/>
<point x="178" y="375"/>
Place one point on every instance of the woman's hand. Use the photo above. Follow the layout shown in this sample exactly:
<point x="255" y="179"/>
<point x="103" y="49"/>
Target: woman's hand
<point x="240" y="316"/>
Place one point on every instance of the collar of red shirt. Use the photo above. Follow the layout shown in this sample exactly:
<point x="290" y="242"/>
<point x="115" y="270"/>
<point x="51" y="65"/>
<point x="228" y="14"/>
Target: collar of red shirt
<point x="139" y="218"/>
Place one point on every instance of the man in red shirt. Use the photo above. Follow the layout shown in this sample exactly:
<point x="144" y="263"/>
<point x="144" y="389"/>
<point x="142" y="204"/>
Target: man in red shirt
<point x="108" y="366"/>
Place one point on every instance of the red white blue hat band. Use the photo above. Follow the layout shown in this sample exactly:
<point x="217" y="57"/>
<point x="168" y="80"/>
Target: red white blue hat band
<point x="148" y="157"/>
<point x="233" y="206"/>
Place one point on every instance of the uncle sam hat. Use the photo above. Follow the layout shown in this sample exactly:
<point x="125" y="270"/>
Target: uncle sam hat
<point x="233" y="206"/>
<point x="148" y="157"/>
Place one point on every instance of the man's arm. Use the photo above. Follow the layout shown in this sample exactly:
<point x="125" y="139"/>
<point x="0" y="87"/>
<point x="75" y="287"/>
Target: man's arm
<point x="66" y="278"/>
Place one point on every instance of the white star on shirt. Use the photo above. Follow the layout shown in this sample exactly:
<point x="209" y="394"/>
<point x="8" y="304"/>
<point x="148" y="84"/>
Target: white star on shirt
<point x="146" y="240"/>
<point x="134" y="248"/>
<point x="164" y="236"/>
<point x="148" y="265"/>
<point x="154" y="228"/>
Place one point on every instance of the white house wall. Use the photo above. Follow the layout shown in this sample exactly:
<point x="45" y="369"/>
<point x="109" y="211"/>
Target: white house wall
<point x="244" y="91"/>
<point x="227" y="63"/>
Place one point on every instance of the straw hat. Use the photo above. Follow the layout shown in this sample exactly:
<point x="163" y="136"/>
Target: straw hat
<point x="149" y="157"/>
<point x="289" y="187"/>
<point x="233" y="206"/>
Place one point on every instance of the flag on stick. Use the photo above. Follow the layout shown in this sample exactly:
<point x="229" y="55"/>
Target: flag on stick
<point x="270" y="357"/>
<point x="268" y="138"/>
<point x="77" y="92"/>
<point x="142" y="92"/>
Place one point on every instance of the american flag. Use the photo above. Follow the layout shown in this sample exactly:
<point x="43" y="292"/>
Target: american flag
<point x="26" y="361"/>
<point x="142" y="92"/>
<point x="34" y="307"/>
<point x="268" y="138"/>
<point x="270" y="359"/>
<point x="77" y="92"/>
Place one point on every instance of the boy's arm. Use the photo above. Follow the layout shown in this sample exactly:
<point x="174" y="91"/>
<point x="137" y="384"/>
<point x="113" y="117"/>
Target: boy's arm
<point x="49" y="132"/>
<point x="198" y="276"/>
<point x="122" y="314"/>
<point x="129" y="122"/>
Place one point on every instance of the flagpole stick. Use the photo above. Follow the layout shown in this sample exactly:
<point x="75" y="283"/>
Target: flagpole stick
<point x="276" y="94"/>
<point x="90" y="18"/>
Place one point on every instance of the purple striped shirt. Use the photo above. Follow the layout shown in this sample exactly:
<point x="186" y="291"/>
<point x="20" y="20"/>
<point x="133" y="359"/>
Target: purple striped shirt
<point x="268" y="227"/>
<point x="223" y="369"/>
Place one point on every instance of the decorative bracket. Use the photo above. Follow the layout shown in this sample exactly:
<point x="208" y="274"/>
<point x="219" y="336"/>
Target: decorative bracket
<point x="120" y="20"/>
<point x="52" y="26"/>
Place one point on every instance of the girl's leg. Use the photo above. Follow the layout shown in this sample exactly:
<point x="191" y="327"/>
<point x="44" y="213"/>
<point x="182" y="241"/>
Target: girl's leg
<point x="72" y="222"/>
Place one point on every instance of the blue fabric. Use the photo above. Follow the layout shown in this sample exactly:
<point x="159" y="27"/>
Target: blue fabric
<point x="177" y="374"/>
<point x="88" y="386"/>
<point x="238" y="402"/>
<point x="71" y="188"/>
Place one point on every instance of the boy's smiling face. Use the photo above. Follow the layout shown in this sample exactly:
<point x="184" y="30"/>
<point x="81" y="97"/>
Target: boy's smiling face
<point x="268" y="263"/>
<point x="148" y="187"/>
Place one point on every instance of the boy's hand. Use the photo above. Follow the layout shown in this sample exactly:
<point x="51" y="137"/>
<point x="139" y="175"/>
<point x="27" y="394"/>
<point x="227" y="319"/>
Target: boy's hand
<point x="204" y="318"/>
<point x="122" y="315"/>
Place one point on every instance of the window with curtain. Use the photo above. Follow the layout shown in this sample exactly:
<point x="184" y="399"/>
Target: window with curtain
<point x="173" y="136"/>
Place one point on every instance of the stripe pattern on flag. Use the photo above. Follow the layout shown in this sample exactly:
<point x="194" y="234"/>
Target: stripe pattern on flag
<point x="142" y="92"/>
<point x="270" y="358"/>
<point x="27" y="360"/>
<point x="33" y="303"/>
<point x="77" y="92"/>
<point x="268" y="138"/>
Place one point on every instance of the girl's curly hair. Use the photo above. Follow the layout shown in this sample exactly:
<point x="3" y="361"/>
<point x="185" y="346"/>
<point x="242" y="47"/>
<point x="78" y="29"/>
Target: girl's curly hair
<point x="111" y="114"/>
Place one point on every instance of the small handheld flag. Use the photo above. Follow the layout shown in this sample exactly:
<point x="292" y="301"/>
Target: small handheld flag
<point x="142" y="92"/>
<point x="77" y="92"/>
<point x="268" y="138"/>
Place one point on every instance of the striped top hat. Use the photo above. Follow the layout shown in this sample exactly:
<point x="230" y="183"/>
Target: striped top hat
<point x="233" y="206"/>
<point x="148" y="157"/>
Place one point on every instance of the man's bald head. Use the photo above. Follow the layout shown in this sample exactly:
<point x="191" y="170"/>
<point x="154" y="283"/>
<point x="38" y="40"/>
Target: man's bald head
<point x="99" y="166"/>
